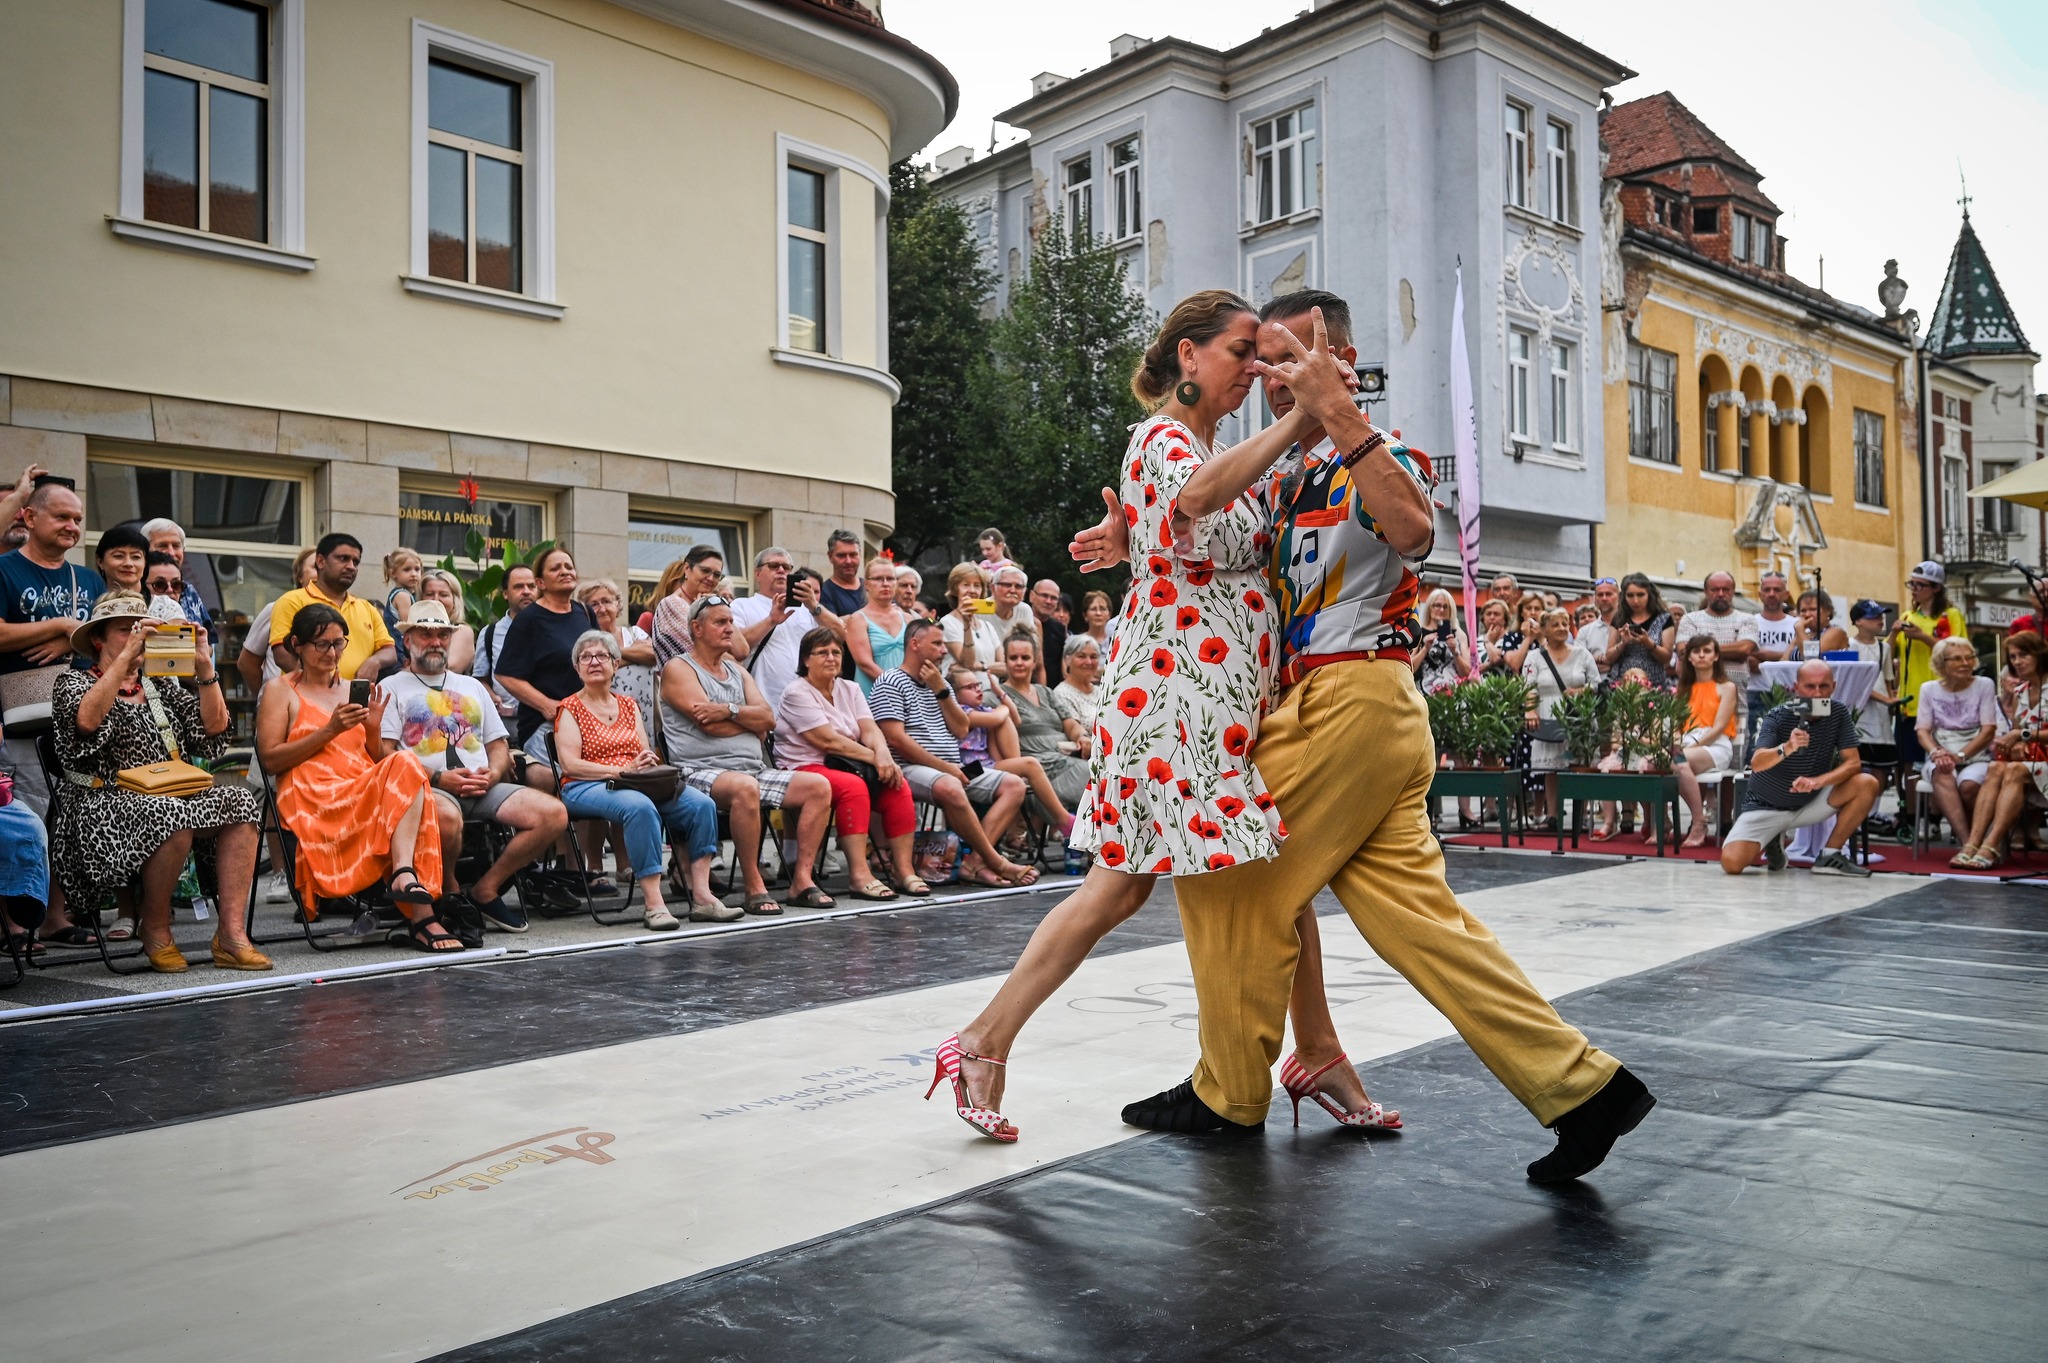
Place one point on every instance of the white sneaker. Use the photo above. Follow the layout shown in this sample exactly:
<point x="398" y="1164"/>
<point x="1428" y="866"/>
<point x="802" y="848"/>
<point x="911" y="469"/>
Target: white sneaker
<point x="276" y="889"/>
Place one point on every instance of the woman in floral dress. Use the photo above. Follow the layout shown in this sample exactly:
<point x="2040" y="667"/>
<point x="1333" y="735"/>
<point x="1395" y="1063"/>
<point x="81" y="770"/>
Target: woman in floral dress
<point x="1190" y="672"/>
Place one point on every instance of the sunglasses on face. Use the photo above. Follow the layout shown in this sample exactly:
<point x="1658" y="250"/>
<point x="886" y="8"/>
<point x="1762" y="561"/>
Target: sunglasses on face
<point x="174" y="587"/>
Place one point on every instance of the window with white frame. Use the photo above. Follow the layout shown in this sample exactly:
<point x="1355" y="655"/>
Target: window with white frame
<point x="476" y="166"/>
<point x="1127" y="218"/>
<point x="1283" y="164"/>
<point x="809" y="248"/>
<point x="483" y="178"/>
<point x="1080" y="187"/>
<point x="1652" y="404"/>
<point x="1521" y="354"/>
<point x="1561" y="163"/>
<point x="1564" y="426"/>
<point x="1869" y="436"/>
<point x="1516" y="153"/>
<point x="1998" y="513"/>
<point x="1738" y="239"/>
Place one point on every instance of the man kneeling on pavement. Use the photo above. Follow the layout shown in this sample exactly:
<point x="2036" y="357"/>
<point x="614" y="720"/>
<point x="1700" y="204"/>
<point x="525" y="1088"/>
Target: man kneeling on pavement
<point x="448" y="722"/>
<point x="1804" y="769"/>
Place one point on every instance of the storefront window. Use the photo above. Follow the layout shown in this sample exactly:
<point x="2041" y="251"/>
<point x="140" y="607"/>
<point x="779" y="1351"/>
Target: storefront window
<point x="437" y="524"/>
<point x="241" y="507"/>
<point x="656" y="540"/>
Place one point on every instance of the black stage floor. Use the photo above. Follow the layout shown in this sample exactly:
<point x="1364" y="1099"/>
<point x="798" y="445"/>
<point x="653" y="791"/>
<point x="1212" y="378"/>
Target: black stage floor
<point x="1847" y="1162"/>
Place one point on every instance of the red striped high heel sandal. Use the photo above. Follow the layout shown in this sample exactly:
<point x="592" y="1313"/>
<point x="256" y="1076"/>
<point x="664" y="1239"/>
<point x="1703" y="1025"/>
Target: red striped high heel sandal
<point x="1300" y="1084"/>
<point x="986" y="1120"/>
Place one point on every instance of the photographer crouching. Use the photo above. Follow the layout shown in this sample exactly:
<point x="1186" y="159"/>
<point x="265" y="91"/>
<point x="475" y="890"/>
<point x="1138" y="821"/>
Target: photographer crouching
<point x="1804" y="769"/>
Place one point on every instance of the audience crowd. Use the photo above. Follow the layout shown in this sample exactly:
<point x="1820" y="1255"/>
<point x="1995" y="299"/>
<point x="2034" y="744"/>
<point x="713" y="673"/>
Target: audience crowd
<point x="414" y="758"/>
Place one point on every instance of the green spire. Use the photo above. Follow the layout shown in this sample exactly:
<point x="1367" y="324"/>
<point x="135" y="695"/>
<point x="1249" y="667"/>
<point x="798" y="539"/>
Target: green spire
<point x="1972" y="317"/>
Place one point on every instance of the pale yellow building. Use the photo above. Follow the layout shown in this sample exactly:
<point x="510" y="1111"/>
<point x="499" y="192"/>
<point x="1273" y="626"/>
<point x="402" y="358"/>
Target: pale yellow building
<point x="610" y="273"/>
<point x="1754" y="422"/>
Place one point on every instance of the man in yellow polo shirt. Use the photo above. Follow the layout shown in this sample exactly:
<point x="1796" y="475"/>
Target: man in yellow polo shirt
<point x="336" y="560"/>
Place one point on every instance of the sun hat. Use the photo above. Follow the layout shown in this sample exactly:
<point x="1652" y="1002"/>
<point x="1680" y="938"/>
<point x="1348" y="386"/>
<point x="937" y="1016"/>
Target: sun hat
<point x="425" y="615"/>
<point x="114" y="607"/>
<point x="1929" y="571"/>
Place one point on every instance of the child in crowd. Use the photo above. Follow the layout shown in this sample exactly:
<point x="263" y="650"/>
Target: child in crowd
<point x="403" y="569"/>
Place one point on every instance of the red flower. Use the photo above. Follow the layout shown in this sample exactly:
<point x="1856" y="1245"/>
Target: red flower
<point x="1111" y="854"/>
<point x="1282" y="830"/>
<point x="1106" y="812"/>
<point x="1162" y="662"/>
<point x="1265" y="650"/>
<point x="1263" y="800"/>
<point x="1163" y="593"/>
<point x="1130" y="514"/>
<point x="1187" y="792"/>
<point x="1210" y="829"/>
<point x="1102" y="744"/>
<point x="1157" y="566"/>
<point x="1125" y="786"/>
<point x="1159" y="769"/>
<point x="1132" y="702"/>
<point x="1229" y="806"/>
<point x="1163" y="867"/>
<point x="1116" y="645"/>
<point x="1213" y="650"/>
<point x="1181" y="726"/>
<point x="1137" y="469"/>
<point x="1200" y="574"/>
<point x="1195" y="823"/>
<point x="1255" y="599"/>
<point x="1151" y="495"/>
<point x="1235" y="739"/>
<point x="1219" y="860"/>
<point x="1187" y="617"/>
<point x="1230" y="775"/>
<point x="1166" y="531"/>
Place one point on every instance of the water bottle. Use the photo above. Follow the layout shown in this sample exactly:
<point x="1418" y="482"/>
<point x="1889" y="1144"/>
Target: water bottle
<point x="1077" y="861"/>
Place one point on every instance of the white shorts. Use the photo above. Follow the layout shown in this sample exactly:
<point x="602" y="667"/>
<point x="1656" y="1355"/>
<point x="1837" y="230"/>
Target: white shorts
<point x="1722" y="750"/>
<point x="1761" y="825"/>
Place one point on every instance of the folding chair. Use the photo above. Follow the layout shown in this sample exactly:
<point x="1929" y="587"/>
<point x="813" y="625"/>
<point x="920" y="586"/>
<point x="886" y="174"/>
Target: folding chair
<point x="46" y="752"/>
<point x="625" y="912"/>
<point x="354" y="906"/>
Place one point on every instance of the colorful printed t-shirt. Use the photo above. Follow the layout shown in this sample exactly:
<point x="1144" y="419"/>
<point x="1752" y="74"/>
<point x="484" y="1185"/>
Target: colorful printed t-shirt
<point x="446" y="727"/>
<point x="1341" y="587"/>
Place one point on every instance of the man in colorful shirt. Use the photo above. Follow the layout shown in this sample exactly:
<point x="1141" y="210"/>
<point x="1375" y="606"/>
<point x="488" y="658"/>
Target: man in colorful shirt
<point x="1347" y="755"/>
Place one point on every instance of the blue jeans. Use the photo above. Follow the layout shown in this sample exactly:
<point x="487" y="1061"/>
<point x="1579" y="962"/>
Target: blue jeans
<point x="690" y="813"/>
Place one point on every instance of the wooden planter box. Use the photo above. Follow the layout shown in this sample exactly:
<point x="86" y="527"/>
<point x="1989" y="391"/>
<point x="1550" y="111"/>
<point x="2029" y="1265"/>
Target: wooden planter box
<point x="1659" y="791"/>
<point x="1486" y="783"/>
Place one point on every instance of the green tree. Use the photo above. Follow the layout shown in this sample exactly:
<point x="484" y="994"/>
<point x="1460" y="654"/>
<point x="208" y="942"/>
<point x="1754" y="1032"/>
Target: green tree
<point x="937" y="335"/>
<point x="1055" y="394"/>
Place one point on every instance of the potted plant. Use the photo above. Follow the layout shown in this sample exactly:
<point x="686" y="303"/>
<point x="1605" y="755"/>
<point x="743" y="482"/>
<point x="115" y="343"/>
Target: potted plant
<point x="1496" y="710"/>
<point x="1447" y="726"/>
<point x="1585" y="720"/>
<point x="1648" y="721"/>
<point x="483" y="596"/>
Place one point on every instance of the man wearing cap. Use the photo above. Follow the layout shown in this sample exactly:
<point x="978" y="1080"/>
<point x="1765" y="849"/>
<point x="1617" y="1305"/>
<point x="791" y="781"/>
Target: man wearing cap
<point x="1874" y="725"/>
<point x="1921" y="626"/>
<point x="449" y="722"/>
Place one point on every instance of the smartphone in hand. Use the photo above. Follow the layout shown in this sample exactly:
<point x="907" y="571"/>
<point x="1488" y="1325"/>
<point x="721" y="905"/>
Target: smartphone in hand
<point x="359" y="692"/>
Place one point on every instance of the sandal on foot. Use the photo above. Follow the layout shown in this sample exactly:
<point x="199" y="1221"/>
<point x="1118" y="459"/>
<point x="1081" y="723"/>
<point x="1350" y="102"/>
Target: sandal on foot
<point x="415" y="894"/>
<point x="23" y="943"/>
<point x="761" y="904"/>
<point x="1965" y="857"/>
<point x="874" y="890"/>
<point x="447" y="941"/>
<point x="77" y="935"/>
<point x="811" y="897"/>
<point x="123" y="930"/>
<point x="241" y="956"/>
<point x="1025" y="875"/>
<point x="915" y="888"/>
<point x="165" y="958"/>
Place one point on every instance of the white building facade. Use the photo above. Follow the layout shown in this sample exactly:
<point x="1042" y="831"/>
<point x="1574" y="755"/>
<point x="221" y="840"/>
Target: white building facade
<point x="1368" y="147"/>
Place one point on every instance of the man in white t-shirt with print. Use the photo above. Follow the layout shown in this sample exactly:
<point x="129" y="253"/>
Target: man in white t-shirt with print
<point x="450" y="724"/>
<point x="1732" y="629"/>
<point x="1776" y="629"/>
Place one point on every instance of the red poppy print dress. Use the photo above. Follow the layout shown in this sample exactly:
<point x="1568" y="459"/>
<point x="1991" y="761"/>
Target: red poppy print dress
<point x="1172" y="790"/>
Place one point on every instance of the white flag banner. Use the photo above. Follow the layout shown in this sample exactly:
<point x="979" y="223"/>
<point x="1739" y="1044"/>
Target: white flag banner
<point x="1465" y="459"/>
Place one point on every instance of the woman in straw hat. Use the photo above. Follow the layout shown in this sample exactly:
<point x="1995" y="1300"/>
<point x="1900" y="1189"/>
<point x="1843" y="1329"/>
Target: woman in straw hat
<point x="111" y="718"/>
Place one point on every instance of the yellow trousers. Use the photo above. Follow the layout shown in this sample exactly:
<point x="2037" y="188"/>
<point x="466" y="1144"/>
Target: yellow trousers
<point x="1347" y="756"/>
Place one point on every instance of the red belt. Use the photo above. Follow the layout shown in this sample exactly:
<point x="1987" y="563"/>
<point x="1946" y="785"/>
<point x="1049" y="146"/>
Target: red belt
<point x="1305" y="663"/>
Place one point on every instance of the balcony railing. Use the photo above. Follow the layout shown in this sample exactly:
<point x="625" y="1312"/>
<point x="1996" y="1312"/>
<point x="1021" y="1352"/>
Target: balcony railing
<point x="1975" y="545"/>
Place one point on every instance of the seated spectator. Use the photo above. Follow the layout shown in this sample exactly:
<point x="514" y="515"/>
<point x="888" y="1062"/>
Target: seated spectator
<point x="358" y="819"/>
<point x="1446" y="655"/>
<point x="257" y="667"/>
<point x="874" y="633"/>
<point x="970" y="632"/>
<point x="1958" y="717"/>
<point x="445" y="588"/>
<point x="703" y="575"/>
<point x="1081" y="671"/>
<point x="403" y="569"/>
<point x="1817" y="633"/>
<point x="991" y="731"/>
<point x="714" y="717"/>
<point x="535" y="665"/>
<point x="915" y="707"/>
<point x="25" y="875"/>
<point x="1804" y="769"/>
<point x="1098" y="611"/>
<point x="113" y="718"/>
<point x="909" y="583"/>
<point x="1052" y="746"/>
<point x="521" y="587"/>
<point x="2019" y="765"/>
<point x="598" y="739"/>
<point x="447" y="722"/>
<point x="368" y="650"/>
<point x="166" y="536"/>
<point x="785" y="607"/>
<point x="121" y="556"/>
<point x="823" y="727"/>
<point x="1708" y="743"/>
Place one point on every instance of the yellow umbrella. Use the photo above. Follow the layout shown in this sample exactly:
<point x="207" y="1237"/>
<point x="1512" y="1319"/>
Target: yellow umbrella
<point x="2026" y="486"/>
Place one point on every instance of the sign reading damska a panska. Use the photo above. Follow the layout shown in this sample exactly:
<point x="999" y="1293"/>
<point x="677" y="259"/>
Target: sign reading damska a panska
<point x="436" y="524"/>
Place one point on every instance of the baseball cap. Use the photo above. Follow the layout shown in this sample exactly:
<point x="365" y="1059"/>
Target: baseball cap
<point x="1929" y="571"/>
<point x="1866" y="609"/>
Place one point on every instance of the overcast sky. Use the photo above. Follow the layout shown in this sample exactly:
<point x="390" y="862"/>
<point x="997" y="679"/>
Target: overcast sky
<point x="1857" y="112"/>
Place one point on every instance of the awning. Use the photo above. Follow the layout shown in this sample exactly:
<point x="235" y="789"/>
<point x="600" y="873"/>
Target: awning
<point x="2026" y="486"/>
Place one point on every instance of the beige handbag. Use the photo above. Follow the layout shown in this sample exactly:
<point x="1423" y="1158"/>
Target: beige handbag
<point x="175" y="777"/>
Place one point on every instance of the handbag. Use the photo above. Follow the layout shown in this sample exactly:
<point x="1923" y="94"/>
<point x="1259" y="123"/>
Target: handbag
<point x="173" y="777"/>
<point x="1550" y="730"/>
<point x="853" y="766"/>
<point x="658" y="783"/>
<point x="25" y="695"/>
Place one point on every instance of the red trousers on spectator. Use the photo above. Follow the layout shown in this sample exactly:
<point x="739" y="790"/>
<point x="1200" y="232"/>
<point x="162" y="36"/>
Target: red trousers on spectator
<point x="850" y="803"/>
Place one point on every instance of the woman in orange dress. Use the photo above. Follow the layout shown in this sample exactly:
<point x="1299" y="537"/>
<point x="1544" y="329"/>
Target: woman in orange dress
<point x="357" y="821"/>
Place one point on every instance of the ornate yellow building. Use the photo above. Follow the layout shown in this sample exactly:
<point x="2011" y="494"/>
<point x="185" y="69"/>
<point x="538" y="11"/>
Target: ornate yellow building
<point x="1754" y="422"/>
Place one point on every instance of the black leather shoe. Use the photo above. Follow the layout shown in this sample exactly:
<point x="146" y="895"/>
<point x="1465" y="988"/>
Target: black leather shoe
<point x="1589" y="1131"/>
<point x="1179" y="1110"/>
